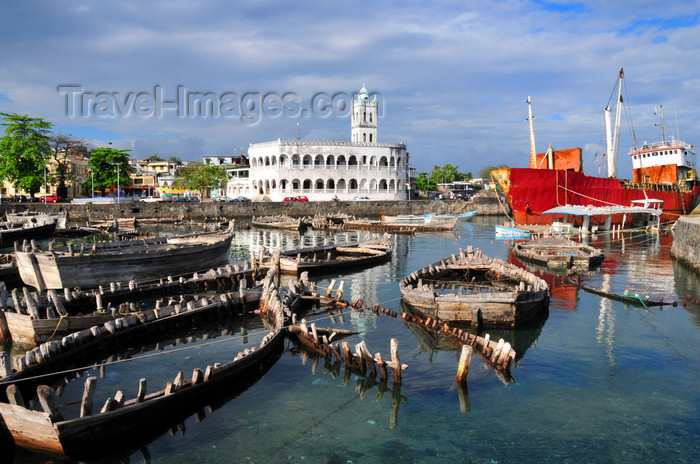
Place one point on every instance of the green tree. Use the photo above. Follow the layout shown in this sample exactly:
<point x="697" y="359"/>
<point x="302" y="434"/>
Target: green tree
<point x="105" y="163"/>
<point x="202" y="177"/>
<point x="24" y="151"/>
<point x="154" y="157"/>
<point x="445" y="174"/>
<point x="423" y="182"/>
<point x="175" y="159"/>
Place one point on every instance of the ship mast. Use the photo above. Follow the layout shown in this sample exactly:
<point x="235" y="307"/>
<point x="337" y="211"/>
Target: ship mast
<point x="613" y="139"/>
<point x="533" y="154"/>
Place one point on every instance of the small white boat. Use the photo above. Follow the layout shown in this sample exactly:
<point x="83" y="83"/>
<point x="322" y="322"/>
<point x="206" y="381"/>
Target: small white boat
<point x="510" y="232"/>
<point x="467" y="215"/>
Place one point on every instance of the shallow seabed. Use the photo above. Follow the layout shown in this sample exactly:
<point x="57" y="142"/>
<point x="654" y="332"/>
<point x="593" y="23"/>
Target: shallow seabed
<point x="595" y="381"/>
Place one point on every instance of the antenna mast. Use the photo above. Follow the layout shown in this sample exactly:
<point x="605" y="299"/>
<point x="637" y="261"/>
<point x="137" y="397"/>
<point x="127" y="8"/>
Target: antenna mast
<point x="663" y="132"/>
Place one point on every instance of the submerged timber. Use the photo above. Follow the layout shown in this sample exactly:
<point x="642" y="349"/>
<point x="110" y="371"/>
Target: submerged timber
<point x="124" y="261"/>
<point x="499" y="294"/>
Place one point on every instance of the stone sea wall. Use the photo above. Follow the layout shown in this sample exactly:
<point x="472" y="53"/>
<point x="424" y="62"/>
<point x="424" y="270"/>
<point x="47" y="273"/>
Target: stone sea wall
<point x="686" y="241"/>
<point x="487" y="205"/>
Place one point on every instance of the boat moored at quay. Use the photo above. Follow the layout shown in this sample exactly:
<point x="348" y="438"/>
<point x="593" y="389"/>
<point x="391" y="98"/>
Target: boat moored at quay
<point x="663" y="172"/>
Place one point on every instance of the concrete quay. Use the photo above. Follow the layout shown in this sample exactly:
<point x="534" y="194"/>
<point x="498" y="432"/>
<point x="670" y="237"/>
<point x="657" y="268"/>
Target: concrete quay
<point x="80" y="213"/>
<point x="686" y="241"/>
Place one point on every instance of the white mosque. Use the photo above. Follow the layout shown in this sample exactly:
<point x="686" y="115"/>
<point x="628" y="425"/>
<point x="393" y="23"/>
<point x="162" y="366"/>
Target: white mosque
<point x="324" y="170"/>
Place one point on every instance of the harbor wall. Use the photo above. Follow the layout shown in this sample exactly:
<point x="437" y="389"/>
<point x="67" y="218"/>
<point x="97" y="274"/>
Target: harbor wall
<point x="686" y="241"/>
<point x="80" y="213"/>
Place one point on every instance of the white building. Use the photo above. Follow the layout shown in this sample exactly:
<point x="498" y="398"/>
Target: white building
<point x="324" y="170"/>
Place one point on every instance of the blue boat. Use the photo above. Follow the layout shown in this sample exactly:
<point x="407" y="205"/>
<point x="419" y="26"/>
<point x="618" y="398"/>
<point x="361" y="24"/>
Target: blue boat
<point x="510" y="232"/>
<point x="467" y="215"/>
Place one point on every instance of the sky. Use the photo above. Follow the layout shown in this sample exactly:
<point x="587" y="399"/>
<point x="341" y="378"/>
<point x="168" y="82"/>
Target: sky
<point x="451" y="77"/>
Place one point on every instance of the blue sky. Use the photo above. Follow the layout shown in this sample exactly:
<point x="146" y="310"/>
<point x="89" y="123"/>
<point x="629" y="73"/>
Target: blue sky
<point x="453" y="76"/>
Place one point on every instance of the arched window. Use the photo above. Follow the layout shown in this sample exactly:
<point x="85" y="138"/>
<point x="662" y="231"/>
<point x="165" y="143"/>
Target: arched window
<point x="363" y="185"/>
<point x="373" y="161"/>
<point x="341" y="160"/>
<point x="283" y="184"/>
<point x="341" y="185"/>
<point x="383" y="162"/>
<point x="295" y="185"/>
<point x="353" y="184"/>
<point x="330" y="185"/>
<point x="295" y="160"/>
<point x="267" y="161"/>
<point x="274" y="160"/>
<point x="261" y="161"/>
<point x="307" y="161"/>
<point x="382" y="184"/>
<point x="330" y="161"/>
<point x="370" y="118"/>
<point x="307" y="184"/>
<point x="318" y="161"/>
<point x="364" y="137"/>
<point x="319" y="185"/>
<point x="352" y="161"/>
<point x="283" y="161"/>
<point x="370" y="138"/>
<point x="373" y="185"/>
<point x="392" y="185"/>
<point x="364" y="116"/>
<point x="392" y="161"/>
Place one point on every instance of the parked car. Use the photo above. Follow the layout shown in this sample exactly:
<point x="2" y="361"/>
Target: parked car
<point x="302" y="198"/>
<point x="240" y="199"/>
<point x="289" y="199"/>
<point x="52" y="199"/>
<point x="361" y="198"/>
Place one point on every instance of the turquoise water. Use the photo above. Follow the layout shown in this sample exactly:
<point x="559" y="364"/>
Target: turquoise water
<point x="595" y="381"/>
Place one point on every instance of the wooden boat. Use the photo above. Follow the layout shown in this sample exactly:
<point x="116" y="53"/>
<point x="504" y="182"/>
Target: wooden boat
<point x="405" y="218"/>
<point x="560" y="253"/>
<point x="124" y="261"/>
<point x="338" y="256"/>
<point x="476" y="290"/>
<point x="60" y="218"/>
<point x="54" y="316"/>
<point x="279" y="222"/>
<point x="398" y="227"/>
<point x="123" y="419"/>
<point x="634" y="300"/>
<point x="10" y="232"/>
<point x="467" y="215"/>
<point x="510" y="232"/>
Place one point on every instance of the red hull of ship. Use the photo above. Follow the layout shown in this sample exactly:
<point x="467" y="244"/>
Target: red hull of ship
<point x="533" y="191"/>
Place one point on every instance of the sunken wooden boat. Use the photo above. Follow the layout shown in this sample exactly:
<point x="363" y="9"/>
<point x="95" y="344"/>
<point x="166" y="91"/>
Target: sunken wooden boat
<point x="557" y="252"/>
<point x="476" y="290"/>
<point x="333" y="257"/>
<point x="399" y="227"/>
<point x="124" y="261"/>
<point x="122" y="419"/>
<point x="33" y="319"/>
<point x="627" y="298"/>
<point x="279" y="222"/>
<point x="10" y="232"/>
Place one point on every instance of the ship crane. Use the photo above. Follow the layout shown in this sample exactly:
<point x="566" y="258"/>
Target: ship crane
<point x="613" y="138"/>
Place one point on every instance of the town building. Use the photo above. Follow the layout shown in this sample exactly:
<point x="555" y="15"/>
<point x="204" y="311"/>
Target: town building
<point x="326" y="170"/>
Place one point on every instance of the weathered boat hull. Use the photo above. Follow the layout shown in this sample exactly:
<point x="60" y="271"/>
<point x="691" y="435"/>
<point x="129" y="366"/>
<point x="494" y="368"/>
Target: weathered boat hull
<point x="44" y="270"/>
<point x="9" y="236"/>
<point x="497" y="309"/>
<point x="343" y="256"/>
<point x="558" y="253"/>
